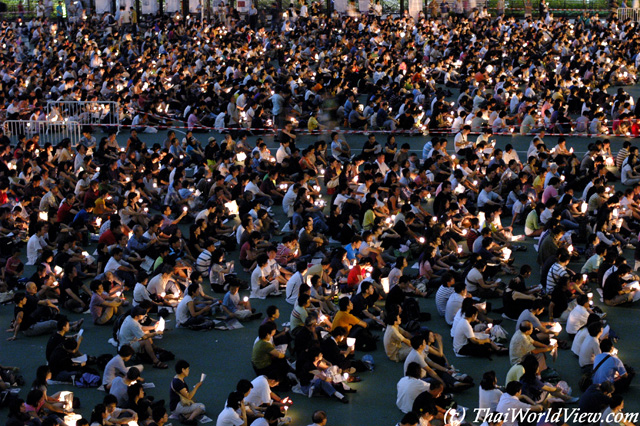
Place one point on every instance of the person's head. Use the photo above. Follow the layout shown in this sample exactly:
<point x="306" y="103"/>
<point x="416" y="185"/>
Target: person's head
<point x="70" y="345"/>
<point x="606" y="345"/>
<point x="98" y="414"/>
<point x="526" y="328"/>
<point x="344" y="304"/>
<point x="319" y="417"/>
<point x="126" y="352"/>
<point x="418" y="342"/>
<point x="243" y="387"/>
<point x="110" y="402"/>
<point x="273" y="312"/>
<point x="410" y="419"/>
<point x="234" y="399"/>
<point x="182" y="367"/>
<point x="304" y="300"/>
<point x="414" y="370"/>
<point x="514" y="388"/>
<point x="266" y="330"/>
<point x="616" y="403"/>
<point x="489" y="380"/>
<point x="159" y="414"/>
<point x="43" y="373"/>
<point x="133" y="373"/>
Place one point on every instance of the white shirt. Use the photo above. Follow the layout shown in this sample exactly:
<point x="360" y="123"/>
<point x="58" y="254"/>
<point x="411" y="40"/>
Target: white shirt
<point x="112" y="265"/>
<point x="115" y="367"/>
<point x="255" y="282"/>
<point x="293" y="288"/>
<point x="182" y="311"/>
<point x="157" y="285"/>
<point x="577" y="318"/>
<point x="408" y="390"/>
<point x="228" y="417"/>
<point x="260" y="393"/>
<point x="509" y="405"/>
<point x="489" y="398"/>
<point x="581" y="335"/>
<point x="33" y="245"/>
<point x="473" y="278"/>
<point x="140" y="293"/>
<point x="453" y="306"/>
<point x="588" y="350"/>
<point x="461" y="335"/>
<point x="415" y="356"/>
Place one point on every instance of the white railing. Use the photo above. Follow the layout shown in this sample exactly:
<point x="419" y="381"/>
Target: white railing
<point x="85" y="112"/>
<point x="625" y="13"/>
<point x="49" y="131"/>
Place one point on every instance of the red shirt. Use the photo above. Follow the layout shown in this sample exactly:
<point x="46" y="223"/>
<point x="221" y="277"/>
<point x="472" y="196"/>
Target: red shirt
<point x="63" y="213"/>
<point x="108" y="238"/>
<point x="356" y="274"/>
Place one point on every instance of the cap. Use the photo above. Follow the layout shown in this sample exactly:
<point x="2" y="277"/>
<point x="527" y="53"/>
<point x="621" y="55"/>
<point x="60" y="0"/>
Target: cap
<point x="212" y="139"/>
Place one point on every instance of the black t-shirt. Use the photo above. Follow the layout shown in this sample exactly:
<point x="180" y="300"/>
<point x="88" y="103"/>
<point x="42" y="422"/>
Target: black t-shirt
<point x="176" y="386"/>
<point x="395" y="297"/>
<point x="55" y="340"/>
<point x="612" y="287"/>
<point x="401" y="227"/>
<point x="59" y="361"/>
<point x="360" y="304"/>
<point x="560" y="301"/>
<point x="27" y="320"/>
<point x="593" y="400"/>
<point x="65" y="284"/>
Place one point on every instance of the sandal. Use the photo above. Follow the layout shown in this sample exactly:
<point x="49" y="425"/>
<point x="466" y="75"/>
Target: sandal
<point x="160" y="365"/>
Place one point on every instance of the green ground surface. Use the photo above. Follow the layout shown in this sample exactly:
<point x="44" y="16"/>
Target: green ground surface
<point x="225" y="355"/>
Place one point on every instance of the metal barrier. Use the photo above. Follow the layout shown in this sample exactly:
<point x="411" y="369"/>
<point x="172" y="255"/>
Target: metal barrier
<point x="85" y="112"/>
<point x="625" y="13"/>
<point x="49" y="131"/>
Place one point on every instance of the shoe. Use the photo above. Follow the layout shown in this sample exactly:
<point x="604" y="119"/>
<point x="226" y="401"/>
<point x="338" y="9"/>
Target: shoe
<point x="311" y="389"/>
<point x="256" y="315"/>
<point x="354" y="379"/>
<point x="573" y="400"/>
<point x="344" y="400"/>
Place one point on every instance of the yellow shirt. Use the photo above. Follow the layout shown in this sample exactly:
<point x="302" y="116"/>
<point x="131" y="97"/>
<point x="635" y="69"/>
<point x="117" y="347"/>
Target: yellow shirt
<point x="344" y="319"/>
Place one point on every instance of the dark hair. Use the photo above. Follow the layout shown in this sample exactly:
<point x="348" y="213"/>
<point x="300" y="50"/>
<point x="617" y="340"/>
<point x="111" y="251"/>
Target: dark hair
<point x="513" y="388"/>
<point x="126" y="351"/>
<point x="243" y="386"/>
<point x="488" y="381"/>
<point x="181" y="365"/>
<point x="233" y="400"/>
<point x="413" y="370"/>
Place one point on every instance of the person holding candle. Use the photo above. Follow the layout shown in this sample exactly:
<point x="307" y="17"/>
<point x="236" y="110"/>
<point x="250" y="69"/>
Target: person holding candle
<point x="181" y="399"/>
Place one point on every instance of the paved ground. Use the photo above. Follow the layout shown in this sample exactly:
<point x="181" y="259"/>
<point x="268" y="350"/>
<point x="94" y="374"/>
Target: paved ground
<point x="225" y="356"/>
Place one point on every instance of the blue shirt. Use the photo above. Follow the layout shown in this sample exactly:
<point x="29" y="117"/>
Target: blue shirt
<point x="82" y="217"/>
<point x="608" y="369"/>
<point x="229" y="302"/>
<point x="351" y="252"/>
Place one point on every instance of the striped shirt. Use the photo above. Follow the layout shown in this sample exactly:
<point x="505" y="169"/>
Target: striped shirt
<point x="203" y="262"/>
<point x="442" y="296"/>
<point x="622" y="154"/>
<point x="555" y="273"/>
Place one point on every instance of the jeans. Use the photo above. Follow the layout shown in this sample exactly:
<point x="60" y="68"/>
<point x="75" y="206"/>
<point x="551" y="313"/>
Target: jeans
<point x="319" y="384"/>
<point x="569" y="224"/>
<point x="40" y="328"/>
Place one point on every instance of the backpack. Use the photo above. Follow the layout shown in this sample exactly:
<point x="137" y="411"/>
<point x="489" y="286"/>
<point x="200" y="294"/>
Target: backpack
<point x="88" y="380"/>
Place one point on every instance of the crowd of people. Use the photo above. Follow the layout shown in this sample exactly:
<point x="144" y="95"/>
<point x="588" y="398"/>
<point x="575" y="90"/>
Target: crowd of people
<point x="330" y="229"/>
